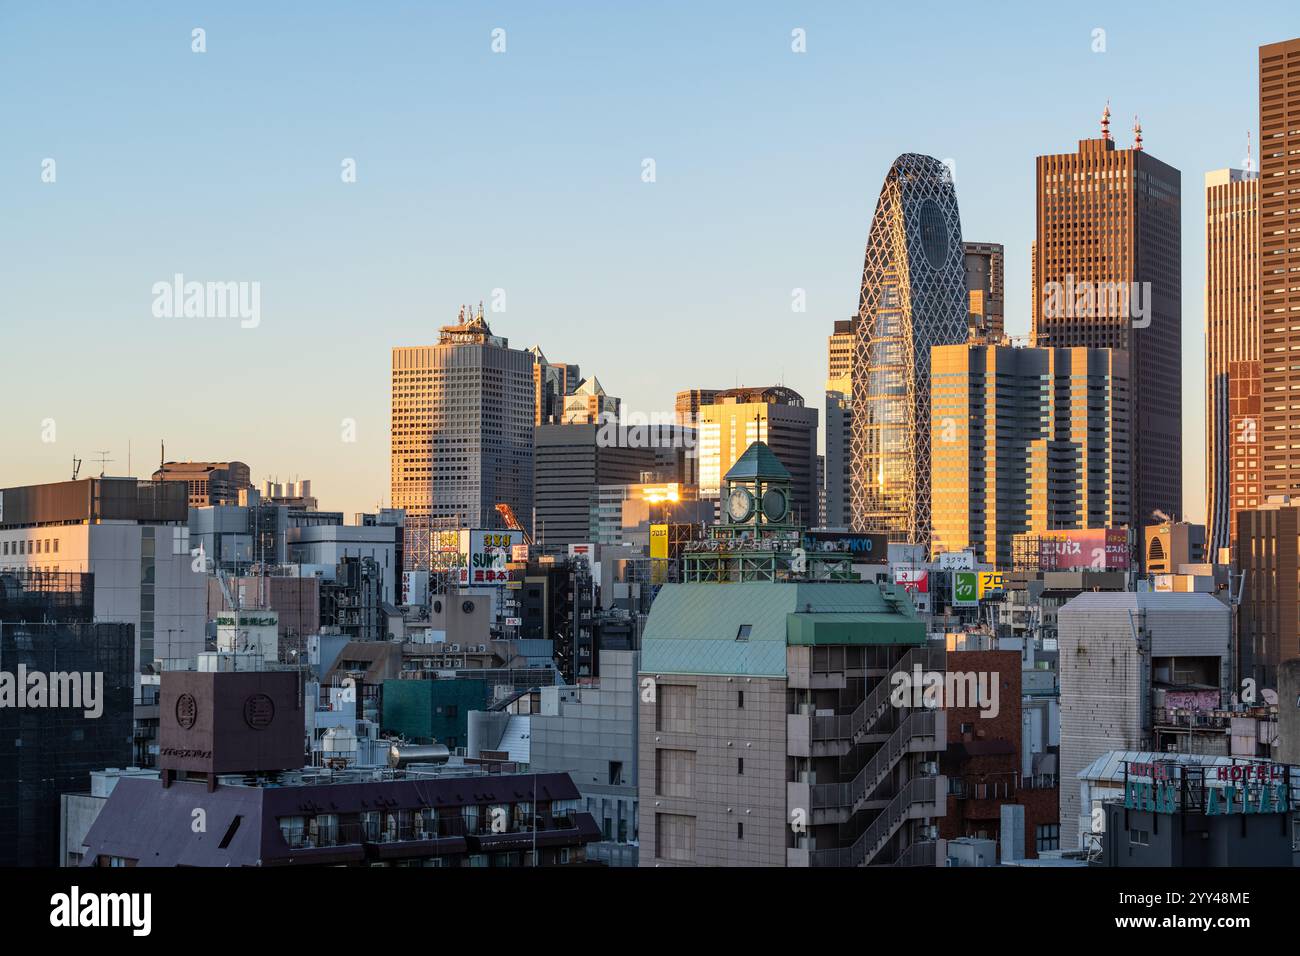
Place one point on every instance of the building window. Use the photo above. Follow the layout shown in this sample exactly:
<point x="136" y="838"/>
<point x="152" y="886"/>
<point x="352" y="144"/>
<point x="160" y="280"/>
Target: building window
<point x="743" y="633"/>
<point x="616" y="773"/>
<point x="1047" y="836"/>
<point x="740" y="766"/>
<point x="1139" y="837"/>
<point x="740" y="831"/>
<point x="740" y="699"/>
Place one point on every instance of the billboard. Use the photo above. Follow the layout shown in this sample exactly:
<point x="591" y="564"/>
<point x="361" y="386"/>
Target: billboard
<point x="965" y="589"/>
<point x="864" y="548"/>
<point x="956" y="561"/>
<point x="484" y="555"/>
<point x="1092" y="549"/>
<point x="914" y="580"/>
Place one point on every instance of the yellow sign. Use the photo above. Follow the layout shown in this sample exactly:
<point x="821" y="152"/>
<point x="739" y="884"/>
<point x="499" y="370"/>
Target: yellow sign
<point x="658" y="553"/>
<point x="991" y="581"/>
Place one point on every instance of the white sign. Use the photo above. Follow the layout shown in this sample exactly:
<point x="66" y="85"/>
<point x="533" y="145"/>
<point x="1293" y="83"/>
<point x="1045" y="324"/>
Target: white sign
<point x="514" y="622"/>
<point x="957" y="561"/>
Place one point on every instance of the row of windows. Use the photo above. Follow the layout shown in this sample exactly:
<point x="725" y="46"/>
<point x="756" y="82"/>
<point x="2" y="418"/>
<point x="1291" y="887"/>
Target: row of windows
<point x="36" y="546"/>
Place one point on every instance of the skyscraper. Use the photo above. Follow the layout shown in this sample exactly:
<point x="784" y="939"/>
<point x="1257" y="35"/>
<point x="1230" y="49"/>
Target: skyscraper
<point x="913" y="297"/>
<point x="1231" y="351"/>
<point x="1026" y="440"/>
<point x="462" y="431"/>
<point x="984" y="290"/>
<point x="1279" y="257"/>
<point x="552" y="382"/>
<point x="839" y="425"/>
<point x="1106" y="275"/>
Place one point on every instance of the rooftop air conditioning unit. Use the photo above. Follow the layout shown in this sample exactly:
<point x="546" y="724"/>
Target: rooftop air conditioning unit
<point x="455" y="648"/>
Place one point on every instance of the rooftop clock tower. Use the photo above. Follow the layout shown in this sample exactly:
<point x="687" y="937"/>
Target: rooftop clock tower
<point x="756" y="492"/>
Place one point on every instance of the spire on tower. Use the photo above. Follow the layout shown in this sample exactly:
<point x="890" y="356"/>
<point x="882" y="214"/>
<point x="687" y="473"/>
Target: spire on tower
<point x="1137" y="133"/>
<point x="1105" y="121"/>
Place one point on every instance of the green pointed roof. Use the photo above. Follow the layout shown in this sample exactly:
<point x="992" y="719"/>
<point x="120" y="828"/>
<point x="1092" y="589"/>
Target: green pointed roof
<point x="758" y="461"/>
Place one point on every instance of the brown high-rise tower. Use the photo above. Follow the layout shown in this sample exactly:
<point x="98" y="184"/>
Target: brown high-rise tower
<point x="1279" y="258"/>
<point x="1106" y="275"/>
<point x="1232" y="394"/>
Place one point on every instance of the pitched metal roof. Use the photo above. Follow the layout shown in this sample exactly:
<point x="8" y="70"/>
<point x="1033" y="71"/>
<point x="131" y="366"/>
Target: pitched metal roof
<point x="758" y="461"/>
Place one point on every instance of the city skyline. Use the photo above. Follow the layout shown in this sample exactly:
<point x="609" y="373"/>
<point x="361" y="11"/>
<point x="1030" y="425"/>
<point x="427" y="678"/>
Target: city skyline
<point x="478" y="171"/>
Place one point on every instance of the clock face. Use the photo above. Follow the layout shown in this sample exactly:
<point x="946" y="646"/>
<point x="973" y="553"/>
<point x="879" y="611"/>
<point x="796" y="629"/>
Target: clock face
<point x="775" y="505"/>
<point x="740" y="504"/>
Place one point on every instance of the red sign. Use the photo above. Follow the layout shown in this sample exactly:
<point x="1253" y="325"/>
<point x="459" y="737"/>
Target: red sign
<point x="914" y="580"/>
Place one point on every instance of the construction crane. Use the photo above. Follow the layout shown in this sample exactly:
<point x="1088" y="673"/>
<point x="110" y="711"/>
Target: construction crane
<point x="508" y="516"/>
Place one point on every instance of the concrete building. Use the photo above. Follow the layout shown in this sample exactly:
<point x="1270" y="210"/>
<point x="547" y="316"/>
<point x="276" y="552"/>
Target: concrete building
<point x="572" y="461"/>
<point x="232" y="745"/>
<point x="839" y="428"/>
<point x="769" y="739"/>
<point x="1157" y="809"/>
<point x="1026" y="440"/>
<point x="132" y="537"/>
<point x="984" y="291"/>
<point x="777" y="416"/>
<point x="1171" y="544"/>
<point x="208" y="482"/>
<point x="1268" y="556"/>
<point x="1107" y="275"/>
<point x="462" y="431"/>
<point x="318" y="549"/>
<point x="990" y="764"/>
<point x="1279" y="261"/>
<point x="1117" y="650"/>
<point x="588" y="731"/>
<point x="913" y="297"/>
<point x="1232" y="441"/>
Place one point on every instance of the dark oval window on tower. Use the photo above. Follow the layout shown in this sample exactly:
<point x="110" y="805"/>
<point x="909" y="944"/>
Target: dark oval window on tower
<point x="934" y="233"/>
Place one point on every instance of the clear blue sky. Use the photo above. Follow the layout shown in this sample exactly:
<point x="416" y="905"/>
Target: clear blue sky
<point x="522" y="171"/>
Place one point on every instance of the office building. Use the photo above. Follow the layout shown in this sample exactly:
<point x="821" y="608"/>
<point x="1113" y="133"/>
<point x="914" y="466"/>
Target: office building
<point x="1119" y="652"/>
<point x="776" y="416"/>
<point x="132" y="537"/>
<point x="462" y="431"/>
<point x="1107" y="275"/>
<point x="67" y="710"/>
<point x="688" y="404"/>
<point x="208" y="482"/>
<point x="1026" y="440"/>
<point x="984" y="292"/>
<point x="913" y="297"/>
<point x="1232" y="388"/>
<point x="552" y="383"/>
<point x="1279" y="264"/>
<point x="572" y="461"/>
<point x="839" y="426"/>
<point x="589" y="404"/>
<point x="1267" y="553"/>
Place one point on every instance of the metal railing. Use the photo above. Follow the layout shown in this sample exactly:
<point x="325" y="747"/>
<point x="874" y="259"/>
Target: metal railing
<point x="874" y="772"/>
<point x="876" y="703"/>
<point x="886" y="824"/>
